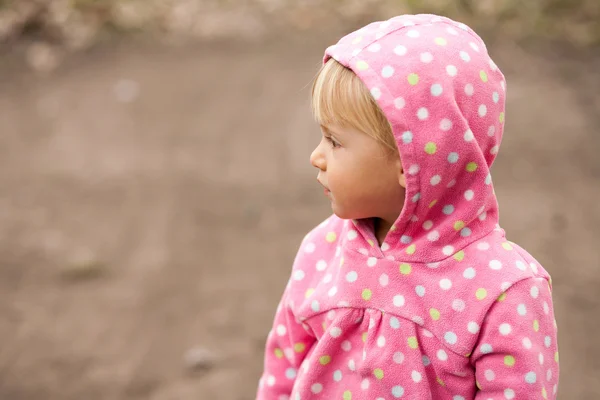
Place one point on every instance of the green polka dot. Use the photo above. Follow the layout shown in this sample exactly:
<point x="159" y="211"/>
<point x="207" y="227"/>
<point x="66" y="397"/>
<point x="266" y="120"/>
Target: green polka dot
<point x="440" y="381"/>
<point x="405" y="269"/>
<point x="412" y="342"/>
<point x="411" y="249"/>
<point x="364" y="337"/>
<point x="430" y="148"/>
<point x="413" y="79"/>
<point x="502" y="297"/>
<point x="433" y="203"/>
<point x="536" y="325"/>
<point x="483" y="76"/>
<point x="371" y="243"/>
<point x="501" y="117"/>
<point x="324" y="360"/>
<point x="278" y="353"/>
<point x="458" y="225"/>
<point x="435" y="314"/>
<point x="509" y="361"/>
<point x="441" y="41"/>
<point x="507" y="246"/>
<point x="544" y="394"/>
<point x="331" y="236"/>
<point x="309" y="292"/>
<point x="481" y="294"/>
<point x="472" y="166"/>
<point x="299" y="347"/>
<point x="459" y="256"/>
<point x="342" y="262"/>
<point x="347" y="395"/>
<point x="357" y="39"/>
<point x="362" y="65"/>
<point x="378" y="373"/>
<point x="556" y="356"/>
<point x="366" y="294"/>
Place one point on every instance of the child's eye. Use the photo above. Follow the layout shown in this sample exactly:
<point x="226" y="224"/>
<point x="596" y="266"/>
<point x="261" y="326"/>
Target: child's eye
<point x="332" y="141"/>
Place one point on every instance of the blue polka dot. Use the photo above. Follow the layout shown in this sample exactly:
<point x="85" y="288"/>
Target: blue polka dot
<point x="394" y="322"/>
<point x="407" y="137"/>
<point x="426" y="361"/>
<point x="452" y="158"/>
<point x="448" y="209"/>
<point x="397" y="391"/>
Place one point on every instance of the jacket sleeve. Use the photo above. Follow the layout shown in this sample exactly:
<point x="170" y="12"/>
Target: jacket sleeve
<point x="516" y="356"/>
<point x="286" y="347"/>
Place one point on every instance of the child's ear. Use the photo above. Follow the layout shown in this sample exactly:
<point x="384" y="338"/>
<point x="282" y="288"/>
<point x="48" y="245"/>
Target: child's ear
<point x="401" y="175"/>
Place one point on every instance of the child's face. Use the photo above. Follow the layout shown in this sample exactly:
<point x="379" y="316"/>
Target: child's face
<point x="361" y="178"/>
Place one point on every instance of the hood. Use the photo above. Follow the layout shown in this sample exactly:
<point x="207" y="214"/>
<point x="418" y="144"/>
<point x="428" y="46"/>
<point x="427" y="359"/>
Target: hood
<point x="445" y="100"/>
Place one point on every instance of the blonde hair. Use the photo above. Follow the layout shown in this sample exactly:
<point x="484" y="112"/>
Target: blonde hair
<point x="340" y="97"/>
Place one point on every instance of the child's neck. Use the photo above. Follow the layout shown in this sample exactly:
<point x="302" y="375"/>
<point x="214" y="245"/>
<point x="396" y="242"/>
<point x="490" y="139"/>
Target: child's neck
<point x="381" y="229"/>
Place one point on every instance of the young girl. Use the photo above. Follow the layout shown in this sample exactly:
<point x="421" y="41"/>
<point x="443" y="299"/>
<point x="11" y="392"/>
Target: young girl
<point x="411" y="289"/>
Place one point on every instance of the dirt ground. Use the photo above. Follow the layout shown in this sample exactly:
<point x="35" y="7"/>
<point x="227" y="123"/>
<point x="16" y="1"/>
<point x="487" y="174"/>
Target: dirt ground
<point x="152" y="200"/>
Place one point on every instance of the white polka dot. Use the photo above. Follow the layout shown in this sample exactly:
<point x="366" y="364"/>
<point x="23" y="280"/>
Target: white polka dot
<point x="399" y="103"/>
<point x="450" y="337"/>
<point x="521" y="309"/>
<point x="509" y="394"/>
<point x="405" y="239"/>
<point x="469" y="273"/>
<point x="418" y="320"/>
<point x="327" y="278"/>
<point x="445" y="125"/>
<point x="416" y="197"/>
<point x="332" y="292"/>
<point x="469" y="135"/>
<point x="494" y="150"/>
<point x="527" y="343"/>
<point x="376" y="93"/>
<point x="469" y="194"/>
<point x="420" y="290"/>
<point x="488" y="179"/>
<point x="505" y="329"/>
<point x="316" y="388"/>
<point x="446" y="284"/>
<point x="371" y="261"/>
<point x="453" y="158"/>
<point x="335" y="332"/>
<point x="398" y="300"/>
<point x="374" y="48"/>
<point x="469" y="89"/>
<point x="495" y="97"/>
<point x="433" y="236"/>
<point x="474" y="46"/>
<point x="321" y="265"/>
<point x="448" y="250"/>
<point x="452" y="31"/>
<point x="310" y="247"/>
<point x="423" y="113"/>
<point x="400" y="50"/>
<point x="486" y="348"/>
<point x="337" y="375"/>
<point x="352" y="234"/>
<point x="433" y="265"/>
<point x="442" y="355"/>
<point x="427" y="225"/>
<point x="351" y="365"/>
<point x="379" y="35"/>
<point x="547" y="341"/>
<point x="407" y="137"/>
<point x="482" y="110"/>
<point x="315" y="306"/>
<point x="381" y="341"/>
<point x="451" y="70"/>
<point x="458" y="305"/>
<point x="436" y="89"/>
<point x="351" y="276"/>
<point x="395" y="323"/>
<point x="491" y="131"/>
<point x="458" y="397"/>
<point x="298" y="275"/>
<point x="534" y="267"/>
<point x="505" y="285"/>
<point x="426" y="57"/>
<point x="387" y="71"/>
<point x="291" y="373"/>
<point x="489" y="375"/>
<point x="413" y="33"/>
<point x="535" y="292"/>
<point x="397" y="391"/>
<point x="483" y="246"/>
<point x="451" y="183"/>
<point x="435" y="180"/>
<point x="549" y="375"/>
<point x="465" y="56"/>
<point x="495" y="265"/>
<point x="530" y="377"/>
<point x="473" y="327"/>
<point x="346" y="345"/>
<point x="398" y="357"/>
<point x="416" y="376"/>
<point x="414" y="169"/>
<point x="448" y="209"/>
<point x="546" y="308"/>
<point x="384" y="280"/>
<point x="364" y="385"/>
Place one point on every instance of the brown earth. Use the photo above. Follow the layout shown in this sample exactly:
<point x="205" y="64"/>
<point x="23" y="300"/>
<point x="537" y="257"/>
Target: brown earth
<point x="152" y="200"/>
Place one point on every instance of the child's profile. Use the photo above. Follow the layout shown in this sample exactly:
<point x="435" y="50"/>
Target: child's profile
<point x="411" y="288"/>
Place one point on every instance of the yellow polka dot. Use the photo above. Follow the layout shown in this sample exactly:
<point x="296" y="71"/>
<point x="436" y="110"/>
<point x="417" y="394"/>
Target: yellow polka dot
<point x="393" y="228"/>
<point x="299" y="347"/>
<point x="413" y="79"/>
<point x="330" y="237"/>
<point x="433" y="203"/>
<point x="459" y="256"/>
<point x="501" y="117"/>
<point x="458" y="225"/>
<point x="366" y="294"/>
<point x="502" y="297"/>
<point x="411" y="249"/>
<point x="507" y="246"/>
<point x="481" y="294"/>
<point x="536" y="325"/>
<point x="471" y="167"/>
<point x="347" y="395"/>
<point x="440" y="381"/>
<point x="278" y="353"/>
<point x="309" y="292"/>
<point x="364" y="337"/>
<point x="405" y="269"/>
<point x="362" y="65"/>
<point x="441" y="41"/>
<point x="412" y="342"/>
<point x="483" y="76"/>
<point x="430" y="148"/>
<point x="544" y="394"/>
<point x="371" y="243"/>
<point x="556" y="356"/>
<point x="509" y="361"/>
<point x="324" y="360"/>
<point x="357" y="39"/>
<point x="378" y="373"/>
<point x="435" y="314"/>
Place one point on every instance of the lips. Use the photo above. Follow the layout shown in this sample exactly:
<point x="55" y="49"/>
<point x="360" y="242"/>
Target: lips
<point x="325" y="188"/>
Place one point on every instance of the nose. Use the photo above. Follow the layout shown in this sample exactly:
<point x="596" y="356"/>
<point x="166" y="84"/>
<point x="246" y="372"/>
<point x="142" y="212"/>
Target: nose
<point x="317" y="158"/>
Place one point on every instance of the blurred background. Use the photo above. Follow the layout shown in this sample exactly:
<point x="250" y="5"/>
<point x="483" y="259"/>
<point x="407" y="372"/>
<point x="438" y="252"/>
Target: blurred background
<point x="155" y="184"/>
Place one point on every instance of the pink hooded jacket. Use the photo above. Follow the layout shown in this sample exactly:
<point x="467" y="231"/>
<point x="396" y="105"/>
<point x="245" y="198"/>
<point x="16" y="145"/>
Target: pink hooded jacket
<point x="446" y="307"/>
